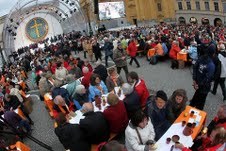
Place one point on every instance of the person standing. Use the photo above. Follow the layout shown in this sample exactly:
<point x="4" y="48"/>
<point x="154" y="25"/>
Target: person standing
<point x="221" y="72"/>
<point x="203" y="72"/>
<point x="97" y="50"/>
<point x="132" y="48"/>
<point x="119" y="56"/>
<point x="108" y="47"/>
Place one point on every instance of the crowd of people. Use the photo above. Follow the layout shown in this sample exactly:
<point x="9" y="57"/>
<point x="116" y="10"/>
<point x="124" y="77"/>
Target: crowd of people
<point x="142" y="117"/>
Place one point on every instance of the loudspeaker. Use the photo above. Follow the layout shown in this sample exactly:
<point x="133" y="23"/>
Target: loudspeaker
<point x="135" y="22"/>
<point x="96" y="8"/>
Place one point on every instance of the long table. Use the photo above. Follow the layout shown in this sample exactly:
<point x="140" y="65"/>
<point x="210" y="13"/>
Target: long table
<point x="177" y="129"/>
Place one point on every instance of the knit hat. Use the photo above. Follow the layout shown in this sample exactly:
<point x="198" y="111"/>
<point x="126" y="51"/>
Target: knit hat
<point x="161" y="94"/>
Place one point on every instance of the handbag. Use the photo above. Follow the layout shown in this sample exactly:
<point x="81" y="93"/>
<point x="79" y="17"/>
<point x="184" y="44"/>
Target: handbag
<point x="139" y="137"/>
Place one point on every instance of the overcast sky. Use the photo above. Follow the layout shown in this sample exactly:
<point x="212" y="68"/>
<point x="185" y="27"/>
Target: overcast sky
<point x="6" y="6"/>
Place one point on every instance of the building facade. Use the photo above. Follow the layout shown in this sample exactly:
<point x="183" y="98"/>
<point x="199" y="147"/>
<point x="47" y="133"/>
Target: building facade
<point x="200" y="11"/>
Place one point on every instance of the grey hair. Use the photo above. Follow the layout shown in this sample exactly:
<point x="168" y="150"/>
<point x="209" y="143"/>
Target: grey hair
<point x="79" y="88"/>
<point x="87" y="107"/>
<point x="127" y="88"/>
<point x="70" y="78"/>
<point x="85" y="69"/>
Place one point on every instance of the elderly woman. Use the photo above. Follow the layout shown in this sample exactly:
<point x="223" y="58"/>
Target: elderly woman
<point x="97" y="87"/>
<point x="43" y="85"/>
<point x="176" y="104"/>
<point x="116" y="114"/>
<point x="131" y="99"/>
<point x="113" y="80"/>
<point x="81" y="95"/>
<point x="139" y="133"/>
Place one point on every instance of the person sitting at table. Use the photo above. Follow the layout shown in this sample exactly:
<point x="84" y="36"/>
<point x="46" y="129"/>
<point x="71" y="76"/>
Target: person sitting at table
<point x="75" y="70"/>
<point x="113" y="80"/>
<point x="61" y="71"/>
<point x="215" y="142"/>
<point x="192" y="51"/>
<point x="139" y="133"/>
<point x="72" y="82"/>
<point x="131" y="99"/>
<point x="16" y="121"/>
<point x="157" y="111"/>
<point x="70" y="135"/>
<point x="139" y="86"/>
<point x="116" y="114"/>
<point x="176" y="104"/>
<point x="101" y="70"/>
<point x="97" y="87"/>
<point x="81" y="95"/>
<point x="86" y="77"/>
<point x="173" y="54"/>
<point x="88" y="65"/>
<point x="94" y="125"/>
<point x="11" y="102"/>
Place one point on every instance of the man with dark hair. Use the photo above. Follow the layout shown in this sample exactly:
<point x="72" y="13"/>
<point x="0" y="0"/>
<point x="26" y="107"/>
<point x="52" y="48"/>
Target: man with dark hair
<point x="139" y="86"/>
<point x="70" y="135"/>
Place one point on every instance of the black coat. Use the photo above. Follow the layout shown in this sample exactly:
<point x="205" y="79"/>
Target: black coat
<point x="95" y="127"/>
<point x="132" y="103"/>
<point x="102" y="71"/>
<point x="72" y="137"/>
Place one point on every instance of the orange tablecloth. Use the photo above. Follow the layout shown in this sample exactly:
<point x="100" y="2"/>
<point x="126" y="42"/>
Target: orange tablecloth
<point x="198" y="128"/>
<point x="182" y="56"/>
<point x="21" y="146"/>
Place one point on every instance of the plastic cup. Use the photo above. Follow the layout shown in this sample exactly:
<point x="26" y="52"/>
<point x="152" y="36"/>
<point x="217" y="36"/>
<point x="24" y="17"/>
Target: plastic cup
<point x="192" y="113"/>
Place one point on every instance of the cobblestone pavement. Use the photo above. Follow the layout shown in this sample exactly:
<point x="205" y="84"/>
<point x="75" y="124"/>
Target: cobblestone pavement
<point x="157" y="77"/>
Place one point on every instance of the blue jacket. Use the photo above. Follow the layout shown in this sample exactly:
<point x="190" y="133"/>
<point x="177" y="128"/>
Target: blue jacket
<point x="93" y="91"/>
<point x="164" y="47"/>
<point x="203" y="71"/>
<point x="193" y="52"/>
<point x="108" y="48"/>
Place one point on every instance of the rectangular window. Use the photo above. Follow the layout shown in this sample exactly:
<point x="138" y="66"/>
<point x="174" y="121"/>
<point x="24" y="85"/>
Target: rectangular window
<point x="159" y="6"/>
<point x="216" y="6"/>
<point x="188" y="5"/>
<point x="224" y="7"/>
<point x="180" y="6"/>
<point x="207" y="6"/>
<point x="197" y="5"/>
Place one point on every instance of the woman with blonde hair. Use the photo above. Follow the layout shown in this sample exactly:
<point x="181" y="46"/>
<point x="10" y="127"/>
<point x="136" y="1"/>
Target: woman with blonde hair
<point x="113" y="80"/>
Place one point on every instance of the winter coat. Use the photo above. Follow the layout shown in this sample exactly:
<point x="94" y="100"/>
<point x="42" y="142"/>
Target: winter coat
<point x="81" y="98"/>
<point x="117" y="117"/>
<point x="61" y="73"/>
<point x="95" y="127"/>
<point x="174" y="109"/>
<point x="132" y="103"/>
<point x="108" y="48"/>
<point x="44" y="86"/>
<point x="72" y="137"/>
<point x="165" y="49"/>
<point x="173" y="51"/>
<point x="203" y="72"/>
<point x="132" y="141"/>
<point x="132" y="48"/>
<point x="111" y="85"/>
<point x="117" y="57"/>
<point x="142" y="91"/>
<point x="222" y="58"/>
<point x="86" y="79"/>
<point x="159" y="117"/>
<point x="75" y="71"/>
<point x="97" y="50"/>
<point x="159" y="50"/>
<point x="71" y="87"/>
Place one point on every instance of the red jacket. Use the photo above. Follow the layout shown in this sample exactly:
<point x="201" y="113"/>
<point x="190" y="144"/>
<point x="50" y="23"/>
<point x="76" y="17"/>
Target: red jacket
<point x="132" y="48"/>
<point x="86" y="79"/>
<point x="117" y="117"/>
<point x="142" y="91"/>
<point x="173" y="51"/>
